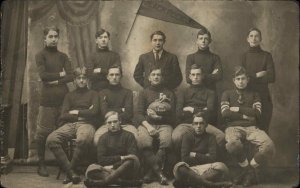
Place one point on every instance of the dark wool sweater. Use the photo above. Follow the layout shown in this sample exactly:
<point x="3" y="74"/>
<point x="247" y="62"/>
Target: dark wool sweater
<point x="112" y="145"/>
<point x="198" y="97"/>
<point x="169" y="64"/>
<point x="256" y="60"/>
<point x="102" y="58"/>
<point x="203" y="145"/>
<point x="208" y="61"/>
<point x="84" y="100"/>
<point x="146" y="97"/>
<point x="251" y="107"/>
<point x="50" y="62"/>
<point x="119" y="99"/>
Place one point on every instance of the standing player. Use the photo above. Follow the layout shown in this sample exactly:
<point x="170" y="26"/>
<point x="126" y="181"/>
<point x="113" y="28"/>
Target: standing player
<point x="55" y="71"/>
<point x="260" y="67"/>
<point x="159" y="57"/>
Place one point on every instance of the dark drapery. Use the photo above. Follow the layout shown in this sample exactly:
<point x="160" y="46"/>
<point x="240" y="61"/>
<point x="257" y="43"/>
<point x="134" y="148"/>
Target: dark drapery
<point x="78" y="22"/>
<point x="82" y="19"/>
<point x="13" y="59"/>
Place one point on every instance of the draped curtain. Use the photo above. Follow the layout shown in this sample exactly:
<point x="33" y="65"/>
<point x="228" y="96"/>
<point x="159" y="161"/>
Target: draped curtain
<point x="81" y="19"/>
<point x="13" y="60"/>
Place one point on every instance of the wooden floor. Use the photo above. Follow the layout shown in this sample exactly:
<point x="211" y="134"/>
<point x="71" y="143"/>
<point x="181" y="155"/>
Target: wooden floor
<point x="26" y="177"/>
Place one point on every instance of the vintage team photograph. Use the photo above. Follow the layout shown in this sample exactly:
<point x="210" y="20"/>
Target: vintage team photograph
<point x="149" y="94"/>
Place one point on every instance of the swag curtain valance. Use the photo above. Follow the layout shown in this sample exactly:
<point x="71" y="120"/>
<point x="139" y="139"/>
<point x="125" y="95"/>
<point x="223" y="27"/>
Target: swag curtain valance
<point x="75" y="13"/>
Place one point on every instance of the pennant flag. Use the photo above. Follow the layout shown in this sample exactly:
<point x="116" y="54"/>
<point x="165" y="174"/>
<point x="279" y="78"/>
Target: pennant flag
<point x="166" y="11"/>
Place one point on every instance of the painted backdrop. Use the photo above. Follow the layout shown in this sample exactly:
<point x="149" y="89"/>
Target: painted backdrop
<point x="228" y="23"/>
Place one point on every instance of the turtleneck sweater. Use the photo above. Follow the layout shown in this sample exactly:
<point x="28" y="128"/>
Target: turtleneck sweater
<point x="112" y="145"/>
<point x="250" y="105"/>
<point x="208" y="62"/>
<point x="255" y="60"/>
<point x="85" y="101"/>
<point x="149" y="95"/>
<point x="198" y="97"/>
<point x="119" y="99"/>
<point x="102" y="58"/>
<point x="50" y="62"/>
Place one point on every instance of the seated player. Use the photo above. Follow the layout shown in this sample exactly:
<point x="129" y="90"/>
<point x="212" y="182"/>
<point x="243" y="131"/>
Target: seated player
<point x="117" y="156"/>
<point x="116" y="98"/>
<point x="195" y="99"/>
<point x="155" y="115"/>
<point x="241" y="108"/>
<point x="78" y="118"/>
<point x="198" y="155"/>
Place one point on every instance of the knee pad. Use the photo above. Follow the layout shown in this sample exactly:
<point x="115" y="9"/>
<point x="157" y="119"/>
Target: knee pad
<point x="234" y="147"/>
<point x="221" y="167"/>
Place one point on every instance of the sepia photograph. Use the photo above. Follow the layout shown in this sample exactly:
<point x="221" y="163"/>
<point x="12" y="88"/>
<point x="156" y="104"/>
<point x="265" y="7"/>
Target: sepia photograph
<point x="149" y="94"/>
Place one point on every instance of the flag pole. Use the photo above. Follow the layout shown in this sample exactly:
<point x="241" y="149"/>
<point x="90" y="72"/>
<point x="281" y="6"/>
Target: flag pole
<point x="133" y="23"/>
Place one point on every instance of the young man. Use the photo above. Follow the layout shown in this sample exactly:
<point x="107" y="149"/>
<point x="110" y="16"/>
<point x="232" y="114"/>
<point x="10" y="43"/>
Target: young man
<point x="193" y="100"/>
<point x="210" y="63"/>
<point x="117" y="156"/>
<point x="101" y="60"/>
<point x="198" y="155"/>
<point x="260" y="67"/>
<point x="78" y="117"/>
<point x="116" y="98"/>
<point x="241" y="108"/>
<point x="155" y="114"/>
<point x="158" y="57"/>
<point x="54" y="69"/>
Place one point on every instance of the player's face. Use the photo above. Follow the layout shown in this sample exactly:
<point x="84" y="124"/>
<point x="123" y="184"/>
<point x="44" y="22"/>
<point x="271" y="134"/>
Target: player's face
<point x="81" y="81"/>
<point x="102" y="40"/>
<point x="155" y="77"/>
<point x="157" y="42"/>
<point x="199" y="125"/>
<point x="114" y="76"/>
<point x="51" y="39"/>
<point x="203" y="41"/>
<point x="196" y="76"/>
<point x="113" y="123"/>
<point x="241" y="81"/>
<point x="254" y="38"/>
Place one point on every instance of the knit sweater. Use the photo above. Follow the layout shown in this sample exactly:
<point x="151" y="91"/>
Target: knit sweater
<point x="256" y="60"/>
<point x="198" y="97"/>
<point x="50" y="62"/>
<point x="84" y="100"/>
<point x="102" y="58"/>
<point x="203" y="145"/>
<point x="112" y="145"/>
<point x="119" y="99"/>
<point x="146" y="97"/>
<point x="208" y="62"/>
<point x="169" y="64"/>
<point x="251" y="107"/>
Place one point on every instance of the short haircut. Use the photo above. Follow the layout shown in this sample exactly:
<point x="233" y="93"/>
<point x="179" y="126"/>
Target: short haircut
<point x="204" y="31"/>
<point x="196" y="66"/>
<point x="100" y="32"/>
<point x="254" y="29"/>
<point x="239" y="70"/>
<point x="115" y="66"/>
<point x="111" y="113"/>
<point x="155" y="67"/>
<point x="80" y="71"/>
<point x="51" y="28"/>
<point x="201" y="115"/>
<point x="158" y="33"/>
